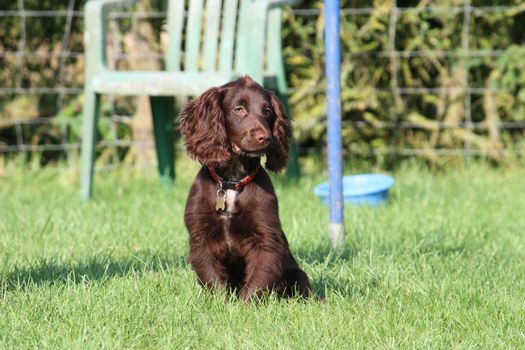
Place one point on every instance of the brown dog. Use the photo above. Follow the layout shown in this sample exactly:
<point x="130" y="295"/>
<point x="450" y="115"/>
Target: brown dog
<point x="236" y="239"/>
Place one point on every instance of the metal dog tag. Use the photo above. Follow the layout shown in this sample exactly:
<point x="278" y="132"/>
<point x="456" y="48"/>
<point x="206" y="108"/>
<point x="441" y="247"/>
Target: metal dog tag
<point x="219" y="201"/>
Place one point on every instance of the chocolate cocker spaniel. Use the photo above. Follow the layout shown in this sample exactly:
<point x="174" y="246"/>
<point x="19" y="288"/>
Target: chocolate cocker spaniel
<point x="236" y="239"/>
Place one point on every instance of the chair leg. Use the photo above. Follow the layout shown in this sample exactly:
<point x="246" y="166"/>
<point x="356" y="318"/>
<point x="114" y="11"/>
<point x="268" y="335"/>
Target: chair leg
<point x="90" y="118"/>
<point x="163" y="111"/>
<point x="293" y="171"/>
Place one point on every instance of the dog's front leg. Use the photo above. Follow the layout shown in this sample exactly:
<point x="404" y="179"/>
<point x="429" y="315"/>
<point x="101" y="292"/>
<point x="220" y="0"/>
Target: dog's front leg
<point x="263" y="269"/>
<point x="210" y="272"/>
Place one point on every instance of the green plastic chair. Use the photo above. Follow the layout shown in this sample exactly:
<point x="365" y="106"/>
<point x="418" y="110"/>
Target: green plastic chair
<point x="222" y="41"/>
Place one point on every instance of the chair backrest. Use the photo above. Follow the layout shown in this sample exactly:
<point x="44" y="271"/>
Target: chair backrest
<point x="209" y="35"/>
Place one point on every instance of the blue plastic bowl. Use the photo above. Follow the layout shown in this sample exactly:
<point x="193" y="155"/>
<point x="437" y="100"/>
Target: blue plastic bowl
<point x="371" y="189"/>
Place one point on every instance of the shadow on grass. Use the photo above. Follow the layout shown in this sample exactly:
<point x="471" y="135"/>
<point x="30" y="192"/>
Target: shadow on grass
<point x="55" y="271"/>
<point x="97" y="268"/>
<point x="345" y="287"/>
<point x="326" y="258"/>
<point x="324" y="254"/>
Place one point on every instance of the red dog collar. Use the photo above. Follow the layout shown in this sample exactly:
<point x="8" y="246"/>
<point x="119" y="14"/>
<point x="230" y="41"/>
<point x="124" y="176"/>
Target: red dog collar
<point x="237" y="185"/>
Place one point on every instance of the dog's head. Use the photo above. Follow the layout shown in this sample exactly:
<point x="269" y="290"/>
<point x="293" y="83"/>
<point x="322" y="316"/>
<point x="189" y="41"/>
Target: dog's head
<point x="238" y="118"/>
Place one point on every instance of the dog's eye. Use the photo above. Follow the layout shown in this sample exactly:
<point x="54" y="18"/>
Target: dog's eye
<point x="238" y="109"/>
<point x="267" y="112"/>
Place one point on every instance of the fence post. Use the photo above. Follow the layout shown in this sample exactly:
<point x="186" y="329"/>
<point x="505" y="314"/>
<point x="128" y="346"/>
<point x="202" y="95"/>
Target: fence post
<point x="333" y="93"/>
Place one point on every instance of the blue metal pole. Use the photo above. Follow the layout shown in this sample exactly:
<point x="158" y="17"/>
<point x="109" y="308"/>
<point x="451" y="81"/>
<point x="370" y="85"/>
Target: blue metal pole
<point x="333" y="93"/>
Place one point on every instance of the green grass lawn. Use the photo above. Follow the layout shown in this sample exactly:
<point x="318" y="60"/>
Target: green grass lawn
<point x="441" y="265"/>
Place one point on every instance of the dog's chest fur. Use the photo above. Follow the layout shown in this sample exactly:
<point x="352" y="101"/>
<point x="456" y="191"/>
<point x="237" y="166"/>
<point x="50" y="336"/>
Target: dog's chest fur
<point x="230" y="198"/>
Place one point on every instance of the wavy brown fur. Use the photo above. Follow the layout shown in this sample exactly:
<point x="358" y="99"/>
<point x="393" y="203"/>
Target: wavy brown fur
<point x="242" y="248"/>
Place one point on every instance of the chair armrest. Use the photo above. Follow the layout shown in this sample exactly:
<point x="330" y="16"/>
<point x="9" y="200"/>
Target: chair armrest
<point x="96" y="13"/>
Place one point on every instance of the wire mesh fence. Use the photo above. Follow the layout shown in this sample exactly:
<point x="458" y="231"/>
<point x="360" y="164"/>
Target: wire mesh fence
<point x="401" y="113"/>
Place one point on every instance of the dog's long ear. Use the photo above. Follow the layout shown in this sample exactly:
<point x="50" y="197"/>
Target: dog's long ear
<point x="277" y="156"/>
<point x="202" y="122"/>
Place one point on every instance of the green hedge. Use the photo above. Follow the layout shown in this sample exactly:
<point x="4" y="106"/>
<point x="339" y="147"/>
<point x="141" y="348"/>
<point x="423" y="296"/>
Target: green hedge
<point x="409" y="103"/>
<point x="409" y="90"/>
